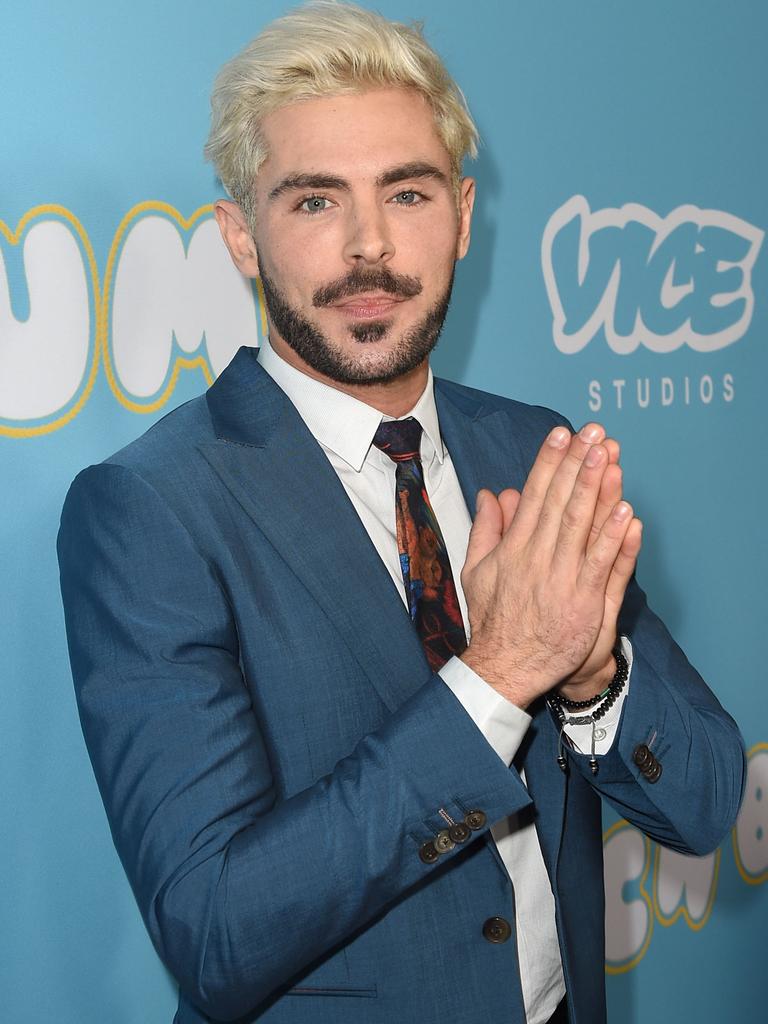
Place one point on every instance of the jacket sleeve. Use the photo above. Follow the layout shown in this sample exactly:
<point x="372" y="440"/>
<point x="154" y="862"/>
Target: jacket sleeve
<point x="692" y="804"/>
<point x="240" y="891"/>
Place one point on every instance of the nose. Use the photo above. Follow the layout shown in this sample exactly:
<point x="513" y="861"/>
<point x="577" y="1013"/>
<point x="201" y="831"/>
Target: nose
<point x="369" y="239"/>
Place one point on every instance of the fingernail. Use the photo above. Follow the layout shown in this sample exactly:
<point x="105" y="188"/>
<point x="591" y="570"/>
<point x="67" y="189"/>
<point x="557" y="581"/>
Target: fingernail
<point x="591" y="433"/>
<point x="558" y="438"/>
<point x="594" y="456"/>
<point x="479" y="500"/>
<point x="622" y="511"/>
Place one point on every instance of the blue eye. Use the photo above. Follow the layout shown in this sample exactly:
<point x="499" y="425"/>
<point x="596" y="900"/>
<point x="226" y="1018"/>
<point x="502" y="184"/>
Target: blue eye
<point x="314" y="204"/>
<point x="408" y="198"/>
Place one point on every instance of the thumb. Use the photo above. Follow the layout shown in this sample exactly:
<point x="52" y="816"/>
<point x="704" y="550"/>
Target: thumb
<point x="486" y="529"/>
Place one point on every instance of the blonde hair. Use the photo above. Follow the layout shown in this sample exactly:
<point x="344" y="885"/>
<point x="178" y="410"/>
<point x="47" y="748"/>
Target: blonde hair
<point x="322" y="49"/>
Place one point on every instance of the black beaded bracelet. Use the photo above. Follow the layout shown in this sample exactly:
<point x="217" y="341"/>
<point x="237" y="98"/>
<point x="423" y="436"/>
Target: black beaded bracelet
<point x="610" y="693"/>
<point x="608" y="697"/>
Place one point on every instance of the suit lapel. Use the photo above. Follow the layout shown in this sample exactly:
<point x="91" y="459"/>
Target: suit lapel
<point x="271" y="464"/>
<point x="483" y="448"/>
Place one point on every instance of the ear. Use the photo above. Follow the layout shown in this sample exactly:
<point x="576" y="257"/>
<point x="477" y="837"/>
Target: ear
<point x="237" y="236"/>
<point x="466" y="202"/>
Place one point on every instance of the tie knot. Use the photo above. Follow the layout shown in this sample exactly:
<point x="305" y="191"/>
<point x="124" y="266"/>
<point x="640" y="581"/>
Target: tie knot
<point x="399" y="439"/>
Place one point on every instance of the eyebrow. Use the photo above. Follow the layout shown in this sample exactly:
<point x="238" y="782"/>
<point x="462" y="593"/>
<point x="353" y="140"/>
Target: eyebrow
<point x="312" y="180"/>
<point x="416" y="169"/>
<point x="296" y="182"/>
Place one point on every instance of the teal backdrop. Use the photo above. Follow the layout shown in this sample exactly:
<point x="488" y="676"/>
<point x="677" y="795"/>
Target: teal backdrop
<point x="617" y="271"/>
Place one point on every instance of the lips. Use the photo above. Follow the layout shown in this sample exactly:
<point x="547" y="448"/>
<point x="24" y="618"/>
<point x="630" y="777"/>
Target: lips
<point x="368" y="307"/>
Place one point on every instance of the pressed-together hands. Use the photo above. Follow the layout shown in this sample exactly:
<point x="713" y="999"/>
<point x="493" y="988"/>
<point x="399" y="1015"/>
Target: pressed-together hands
<point x="546" y="571"/>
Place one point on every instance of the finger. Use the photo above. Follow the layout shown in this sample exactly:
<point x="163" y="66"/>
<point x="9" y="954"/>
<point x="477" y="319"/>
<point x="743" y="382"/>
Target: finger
<point x="579" y="513"/>
<point x="602" y="556"/>
<point x="563" y="481"/>
<point x="486" y="529"/>
<point x="551" y="454"/>
<point x="509" y="499"/>
<point x="614" y="450"/>
<point x="610" y="495"/>
<point x="625" y="563"/>
<point x="556" y="450"/>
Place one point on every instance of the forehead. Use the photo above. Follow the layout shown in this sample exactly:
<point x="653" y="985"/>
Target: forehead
<point x="352" y="135"/>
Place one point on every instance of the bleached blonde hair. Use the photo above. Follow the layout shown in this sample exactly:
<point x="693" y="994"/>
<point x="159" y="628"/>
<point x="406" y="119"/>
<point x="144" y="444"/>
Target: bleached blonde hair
<point x="325" y="48"/>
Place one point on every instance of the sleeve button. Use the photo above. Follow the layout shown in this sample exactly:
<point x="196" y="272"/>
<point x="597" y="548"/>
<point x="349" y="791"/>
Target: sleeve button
<point x="459" y="832"/>
<point x="428" y="853"/>
<point x="642" y="756"/>
<point x="476" y="820"/>
<point x="443" y="842"/>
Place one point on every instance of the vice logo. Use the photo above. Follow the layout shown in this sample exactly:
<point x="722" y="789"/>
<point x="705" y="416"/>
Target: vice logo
<point x="647" y="280"/>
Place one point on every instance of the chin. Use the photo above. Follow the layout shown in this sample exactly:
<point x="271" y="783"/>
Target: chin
<point x="361" y="351"/>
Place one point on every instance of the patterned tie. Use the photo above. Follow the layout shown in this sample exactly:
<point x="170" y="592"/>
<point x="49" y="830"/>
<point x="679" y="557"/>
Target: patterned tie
<point x="429" y="586"/>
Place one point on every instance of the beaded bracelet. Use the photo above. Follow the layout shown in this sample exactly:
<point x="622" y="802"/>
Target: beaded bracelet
<point x="608" y="697"/>
<point x="610" y="693"/>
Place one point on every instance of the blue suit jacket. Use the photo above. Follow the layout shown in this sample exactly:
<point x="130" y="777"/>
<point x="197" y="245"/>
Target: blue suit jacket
<point x="273" y="749"/>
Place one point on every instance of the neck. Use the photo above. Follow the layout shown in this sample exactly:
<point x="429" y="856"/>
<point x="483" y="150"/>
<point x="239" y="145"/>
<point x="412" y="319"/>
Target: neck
<point x="393" y="398"/>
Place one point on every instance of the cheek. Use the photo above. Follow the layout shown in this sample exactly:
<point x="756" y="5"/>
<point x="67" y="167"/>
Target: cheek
<point x="285" y="265"/>
<point x="306" y="258"/>
<point x="432" y="244"/>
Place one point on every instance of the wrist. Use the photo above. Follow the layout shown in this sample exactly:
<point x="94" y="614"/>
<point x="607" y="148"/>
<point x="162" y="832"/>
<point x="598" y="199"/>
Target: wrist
<point x="499" y="677"/>
<point x="577" y="687"/>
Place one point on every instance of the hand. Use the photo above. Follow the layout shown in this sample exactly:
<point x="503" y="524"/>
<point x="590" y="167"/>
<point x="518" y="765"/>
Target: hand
<point x="539" y="566"/>
<point x="599" y="668"/>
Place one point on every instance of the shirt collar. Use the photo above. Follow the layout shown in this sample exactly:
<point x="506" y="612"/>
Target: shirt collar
<point x="339" y="422"/>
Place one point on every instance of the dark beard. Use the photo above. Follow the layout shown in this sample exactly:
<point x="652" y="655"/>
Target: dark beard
<point x="313" y="347"/>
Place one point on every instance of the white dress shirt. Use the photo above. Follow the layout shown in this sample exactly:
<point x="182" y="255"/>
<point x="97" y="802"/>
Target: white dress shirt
<point x="344" y="427"/>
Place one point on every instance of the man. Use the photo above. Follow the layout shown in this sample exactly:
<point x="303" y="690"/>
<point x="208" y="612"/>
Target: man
<point x="329" y="806"/>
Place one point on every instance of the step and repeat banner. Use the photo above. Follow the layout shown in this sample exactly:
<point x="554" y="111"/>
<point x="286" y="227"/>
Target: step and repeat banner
<point x="618" y="271"/>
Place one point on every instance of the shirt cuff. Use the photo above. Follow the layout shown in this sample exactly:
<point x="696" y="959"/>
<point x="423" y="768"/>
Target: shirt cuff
<point x="502" y="723"/>
<point x="605" y="728"/>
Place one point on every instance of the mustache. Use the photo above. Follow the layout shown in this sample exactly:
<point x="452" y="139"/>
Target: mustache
<point x="361" y="280"/>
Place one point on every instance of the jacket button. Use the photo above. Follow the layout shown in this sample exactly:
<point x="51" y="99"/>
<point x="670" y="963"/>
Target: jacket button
<point x="475" y="819"/>
<point x="642" y="756"/>
<point x="497" y="930"/>
<point x="428" y="853"/>
<point x="443" y="842"/>
<point x="653" y="774"/>
<point x="459" y="832"/>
